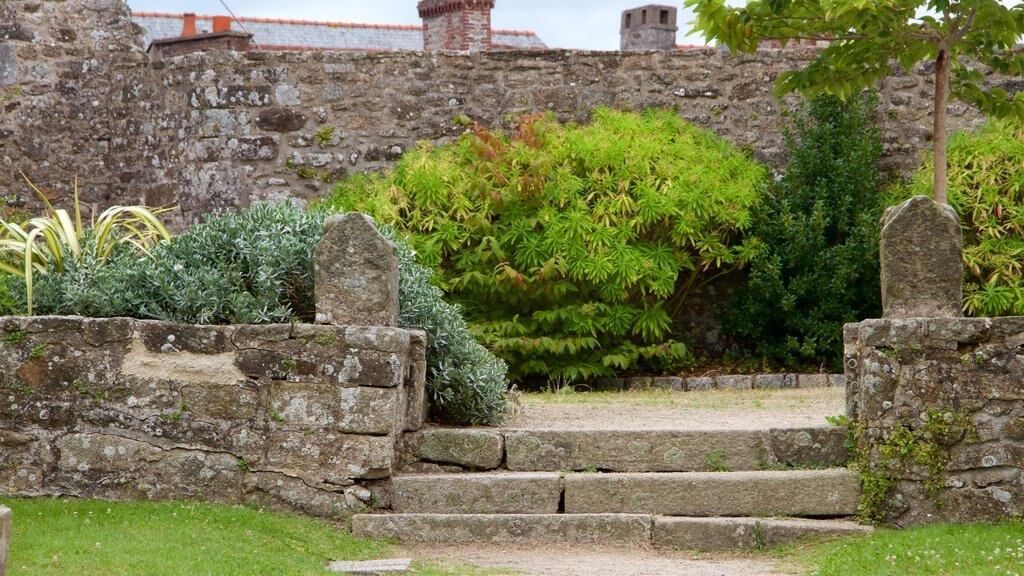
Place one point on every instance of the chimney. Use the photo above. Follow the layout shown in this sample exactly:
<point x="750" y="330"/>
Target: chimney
<point x="188" y="28"/>
<point x="456" y="24"/>
<point x="221" y="23"/>
<point x="651" y="27"/>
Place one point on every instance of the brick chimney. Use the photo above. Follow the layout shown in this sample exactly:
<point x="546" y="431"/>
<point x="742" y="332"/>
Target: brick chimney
<point x="456" y="24"/>
<point x="651" y="27"/>
<point x="222" y="38"/>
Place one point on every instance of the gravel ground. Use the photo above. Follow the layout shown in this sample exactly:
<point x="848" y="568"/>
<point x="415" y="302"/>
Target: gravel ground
<point x="662" y="410"/>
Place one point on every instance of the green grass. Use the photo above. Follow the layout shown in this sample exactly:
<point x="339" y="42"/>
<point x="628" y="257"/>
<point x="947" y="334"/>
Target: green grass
<point x="68" y="537"/>
<point x="945" y="549"/>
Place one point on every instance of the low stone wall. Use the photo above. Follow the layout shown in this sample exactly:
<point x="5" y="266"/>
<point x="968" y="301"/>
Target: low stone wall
<point x="290" y="417"/>
<point x="718" y="382"/>
<point x="938" y="406"/>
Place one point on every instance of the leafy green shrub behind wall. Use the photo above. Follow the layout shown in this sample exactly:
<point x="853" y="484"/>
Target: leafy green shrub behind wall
<point x="817" y="264"/>
<point x="257" y="267"/>
<point x="571" y="246"/>
<point x="986" y="188"/>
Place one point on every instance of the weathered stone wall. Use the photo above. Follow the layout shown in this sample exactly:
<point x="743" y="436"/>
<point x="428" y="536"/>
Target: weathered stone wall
<point x="951" y="392"/>
<point x="214" y="131"/>
<point x="292" y="417"/>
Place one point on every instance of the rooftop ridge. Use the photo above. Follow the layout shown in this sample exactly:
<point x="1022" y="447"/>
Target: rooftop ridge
<point x="318" y="23"/>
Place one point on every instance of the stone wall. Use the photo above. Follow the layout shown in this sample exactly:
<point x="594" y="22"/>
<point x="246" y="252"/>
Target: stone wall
<point x="215" y="131"/>
<point x="290" y="417"/>
<point x="939" y="408"/>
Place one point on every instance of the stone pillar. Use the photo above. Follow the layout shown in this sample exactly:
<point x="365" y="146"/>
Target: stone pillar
<point x="5" y="537"/>
<point x="651" y="27"/>
<point x="456" y="24"/>
<point x="355" y="274"/>
<point x="921" y="252"/>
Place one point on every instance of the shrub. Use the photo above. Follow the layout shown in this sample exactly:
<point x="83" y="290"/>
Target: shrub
<point x="257" y="267"/>
<point x="571" y="247"/>
<point x="817" y="267"/>
<point x="986" y="188"/>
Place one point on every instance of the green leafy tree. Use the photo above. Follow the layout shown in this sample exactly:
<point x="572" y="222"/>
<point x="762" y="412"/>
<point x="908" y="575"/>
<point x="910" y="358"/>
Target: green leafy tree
<point x="986" y="188"/>
<point x="570" y="247"/>
<point x="864" y="36"/>
<point x="818" y="266"/>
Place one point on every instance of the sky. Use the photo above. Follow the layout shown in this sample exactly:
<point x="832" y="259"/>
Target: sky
<point x="580" y="24"/>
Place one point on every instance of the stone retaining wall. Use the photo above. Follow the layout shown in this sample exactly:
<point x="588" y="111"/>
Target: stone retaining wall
<point x="293" y="417"/>
<point x="718" y="382"/>
<point x="939" y="408"/>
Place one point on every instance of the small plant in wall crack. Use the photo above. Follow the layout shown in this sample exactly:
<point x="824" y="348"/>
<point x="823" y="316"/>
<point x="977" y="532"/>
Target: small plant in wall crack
<point x="37" y="351"/>
<point x="15" y="337"/>
<point x="81" y="389"/>
<point x="277" y="417"/>
<point x="175" y="415"/>
<point x="288" y="364"/>
<point x="324" y="135"/>
<point x="715" y="462"/>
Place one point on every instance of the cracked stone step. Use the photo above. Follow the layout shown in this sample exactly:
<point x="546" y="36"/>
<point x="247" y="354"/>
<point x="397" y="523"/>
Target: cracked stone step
<point x="674" y="450"/>
<point x="512" y="493"/>
<point x="601" y="529"/>
<point x="711" y="534"/>
<point x="832" y="492"/>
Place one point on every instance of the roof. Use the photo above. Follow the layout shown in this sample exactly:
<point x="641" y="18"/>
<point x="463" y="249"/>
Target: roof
<point x="279" y="34"/>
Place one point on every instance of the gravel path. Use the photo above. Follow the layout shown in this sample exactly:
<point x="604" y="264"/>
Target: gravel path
<point x="661" y="410"/>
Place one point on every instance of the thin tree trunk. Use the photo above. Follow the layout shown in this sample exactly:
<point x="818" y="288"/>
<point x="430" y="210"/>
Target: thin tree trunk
<point x="939" y="126"/>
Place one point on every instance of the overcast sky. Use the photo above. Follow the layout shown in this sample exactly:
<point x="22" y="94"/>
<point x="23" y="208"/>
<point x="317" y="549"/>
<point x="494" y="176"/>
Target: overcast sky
<point x="582" y="24"/>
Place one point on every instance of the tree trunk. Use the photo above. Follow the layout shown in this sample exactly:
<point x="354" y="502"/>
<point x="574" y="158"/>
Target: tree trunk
<point x="939" y="126"/>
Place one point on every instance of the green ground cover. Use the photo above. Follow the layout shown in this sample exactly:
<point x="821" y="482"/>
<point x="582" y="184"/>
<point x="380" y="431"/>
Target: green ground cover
<point x="67" y="537"/>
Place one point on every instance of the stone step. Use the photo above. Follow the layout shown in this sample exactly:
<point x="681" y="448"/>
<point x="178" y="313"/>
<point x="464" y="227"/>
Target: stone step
<point x="832" y="492"/>
<point x="709" y="534"/>
<point x="630" y="450"/>
<point x="701" y="534"/>
<point x="511" y="493"/>
<point x="600" y="529"/>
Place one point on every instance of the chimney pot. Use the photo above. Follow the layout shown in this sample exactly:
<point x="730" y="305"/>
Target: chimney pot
<point x="221" y="23"/>
<point x="188" y="28"/>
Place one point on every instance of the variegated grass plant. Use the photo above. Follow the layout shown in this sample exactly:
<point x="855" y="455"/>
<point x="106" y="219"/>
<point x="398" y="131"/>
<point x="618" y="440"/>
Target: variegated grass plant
<point x="41" y="244"/>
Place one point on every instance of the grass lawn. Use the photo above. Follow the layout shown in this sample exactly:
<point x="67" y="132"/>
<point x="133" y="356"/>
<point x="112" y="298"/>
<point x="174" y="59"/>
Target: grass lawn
<point x="946" y="549"/>
<point x="68" y="537"/>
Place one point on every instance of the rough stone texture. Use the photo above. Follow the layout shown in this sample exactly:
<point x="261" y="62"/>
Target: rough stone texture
<point x="372" y="567"/>
<point x="699" y="383"/>
<point x="735" y="382"/>
<point x="775" y="381"/>
<point x="673" y="451"/>
<point x="921" y="253"/>
<point x="519" y="493"/>
<point x="660" y="382"/>
<point x="789" y="493"/>
<point x="119" y="408"/>
<point x="604" y="529"/>
<point x="356" y="274"/>
<point x="710" y="534"/>
<point x="5" y="537"/>
<point x="472" y="449"/>
<point x="899" y="369"/>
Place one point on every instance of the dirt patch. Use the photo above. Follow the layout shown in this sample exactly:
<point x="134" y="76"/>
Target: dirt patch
<point x="665" y="410"/>
<point x="583" y="561"/>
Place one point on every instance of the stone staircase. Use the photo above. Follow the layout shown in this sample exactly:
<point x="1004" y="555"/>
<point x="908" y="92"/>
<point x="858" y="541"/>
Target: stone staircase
<point x="684" y="489"/>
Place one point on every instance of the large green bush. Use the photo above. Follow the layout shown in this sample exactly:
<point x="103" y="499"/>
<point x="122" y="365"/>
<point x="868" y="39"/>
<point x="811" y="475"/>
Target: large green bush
<point x="257" y="267"/>
<point x="572" y="246"/>
<point x="986" y="188"/>
<point x="817" y="267"/>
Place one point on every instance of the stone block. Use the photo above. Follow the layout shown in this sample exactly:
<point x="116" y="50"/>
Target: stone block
<point x="473" y="449"/>
<point x="280" y="120"/>
<point x="356" y="274"/>
<point x="735" y="382"/>
<point x="166" y="337"/>
<point x="788" y="493"/>
<point x="366" y="368"/>
<point x="366" y="410"/>
<point x="519" y="493"/>
<point x="812" y="381"/>
<point x="228" y="401"/>
<point x="713" y="534"/>
<point x="820" y="447"/>
<point x="504" y="529"/>
<point x="660" y="382"/>
<point x="921" y="254"/>
<point x="8" y="66"/>
<point x="700" y="383"/>
<point x="837" y="380"/>
<point x="417" y="405"/>
<point x="378" y="338"/>
<point x="632" y="450"/>
<point x="330" y="457"/>
<point x="287" y="494"/>
<point x="775" y="381"/>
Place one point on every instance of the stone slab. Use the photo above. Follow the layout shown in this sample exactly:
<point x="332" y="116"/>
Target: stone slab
<point x="823" y="446"/>
<point x="698" y="383"/>
<point x="356" y="274"/>
<point x="516" y="493"/>
<point x="735" y="382"/>
<point x="831" y="492"/>
<point x="812" y="381"/>
<point x="473" y="449"/>
<point x="660" y="382"/>
<point x="372" y="567"/>
<point x="712" y="534"/>
<point x="774" y="381"/>
<point x="631" y="450"/>
<point x="603" y="529"/>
